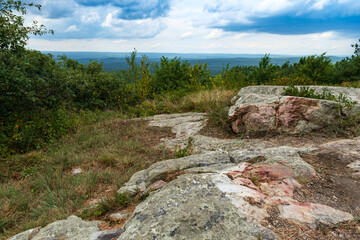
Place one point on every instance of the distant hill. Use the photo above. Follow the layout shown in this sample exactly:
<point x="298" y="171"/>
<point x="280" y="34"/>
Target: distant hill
<point x="113" y="61"/>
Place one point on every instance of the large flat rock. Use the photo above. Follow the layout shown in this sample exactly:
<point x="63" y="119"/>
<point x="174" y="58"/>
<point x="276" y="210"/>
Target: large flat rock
<point x="191" y="207"/>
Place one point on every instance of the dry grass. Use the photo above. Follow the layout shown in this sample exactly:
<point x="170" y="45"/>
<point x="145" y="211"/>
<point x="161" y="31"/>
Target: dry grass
<point x="38" y="188"/>
<point x="201" y="101"/>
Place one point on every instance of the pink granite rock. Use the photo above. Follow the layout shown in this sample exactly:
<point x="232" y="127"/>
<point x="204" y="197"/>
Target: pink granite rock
<point x="157" y="185"/>
<point x="312" y="214"/>
<point x="255" y="117"/>
<point x="292" y="109"/>
<point x="263" y="186"/>
<point x="263" y="110"/>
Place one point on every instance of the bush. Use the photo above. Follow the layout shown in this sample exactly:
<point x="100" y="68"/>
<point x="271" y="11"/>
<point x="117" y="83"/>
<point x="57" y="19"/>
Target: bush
<point x="232" y="78"/>
<point x="325" y="94"/>
<point x="171" y="75"/>
<point x="318" y="69"/>
<point x="26" y="131"/>
<point x="289" y="81"/>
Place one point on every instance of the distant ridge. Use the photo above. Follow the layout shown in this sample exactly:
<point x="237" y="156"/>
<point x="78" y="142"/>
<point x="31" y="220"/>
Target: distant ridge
<point x="113" y="61"/>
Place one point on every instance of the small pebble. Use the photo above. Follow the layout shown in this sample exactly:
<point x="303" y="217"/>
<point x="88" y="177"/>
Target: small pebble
<point x="120" y="215"/>
<point x="77" y="171"/>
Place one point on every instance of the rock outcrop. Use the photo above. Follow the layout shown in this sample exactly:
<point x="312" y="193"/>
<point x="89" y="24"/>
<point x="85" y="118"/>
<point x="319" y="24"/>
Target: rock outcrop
<point x="231" y="189"/>
<point x="265" y="108"/>
<point x="238" y="188"/>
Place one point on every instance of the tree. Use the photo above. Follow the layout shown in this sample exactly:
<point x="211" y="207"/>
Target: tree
<point x="265" y="72"/>
<point x="13" y="33"/>
<point x="356" y="47"/>
<point x="316" y="68"/>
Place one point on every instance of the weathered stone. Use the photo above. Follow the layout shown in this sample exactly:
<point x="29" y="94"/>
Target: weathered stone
<point x="191" y="207"/>
<point x="256" y="187"/>
<point x="77" y="171"/>
<point x="183" y="125"/>
<point x="261" y="108"/>
<point x="71" y="228"/>
<point x="352" y="93"/>
<point x="203" y="144"/>
<point x="106" y="235"/>
<point x="287" y="157"/>
<point x="161" y="170"/>
<point x="313" y="214"/>
<point x="355" y="166"/>
<point x="120" y="215"/>
<point x="27" y="235"/>
<point x="156" y="185"/>
<point x="292" y="109"/>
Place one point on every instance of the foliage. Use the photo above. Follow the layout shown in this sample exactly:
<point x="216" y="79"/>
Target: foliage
<point x="232" y="78"/>
<point x="265" y="72"/>
<point x="348" y="69"/>
<point x="318" y="69"/>
<point x="13" y="33"/>
<point x="41" y="97"/>
<point x="186" y="151"/>
<point x="325" y="94"/>
<point x="289" y="81"/>
<point x="37" y="188"/>
<point x="118" y="201"/>
<point x="174" y="75"/>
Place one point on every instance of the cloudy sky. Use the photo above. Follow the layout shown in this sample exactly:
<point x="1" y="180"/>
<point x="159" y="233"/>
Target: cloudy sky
<point x="199" y="26"/>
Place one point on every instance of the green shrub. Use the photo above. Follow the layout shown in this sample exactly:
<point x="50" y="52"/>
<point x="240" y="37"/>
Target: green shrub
<point x="318" y="69"/>
<point x="232" y="78"/>
<point x="186" y="151"/>
<point x="120" y="200"/>
<point x="325" y="94"/>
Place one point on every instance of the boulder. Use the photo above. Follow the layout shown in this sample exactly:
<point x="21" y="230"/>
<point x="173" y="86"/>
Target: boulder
<point x="184" y="125"/>
<point x="191" y="207"/>
<point x="161" y="170"/>
<point x="71" y="228"/>
<point x="264" y="108"/>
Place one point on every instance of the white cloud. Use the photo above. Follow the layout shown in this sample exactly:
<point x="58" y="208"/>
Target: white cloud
<point x="144" y="28"/>
<point x="187" y="34"/>
<point x="72" y="28"/>
<point x="155" y="45"/>
<point x="240" y="35"/>
<point x="319" y="4"/>
<point x="91" y="17"/>
<point x="120" y="41"/>
<point x="216" y="33"/>
<point x="321" y="35"/>
<point x="191" y="26"/>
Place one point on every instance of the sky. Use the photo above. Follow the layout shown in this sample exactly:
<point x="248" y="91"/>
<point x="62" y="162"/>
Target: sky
<point x="290" y="27"/>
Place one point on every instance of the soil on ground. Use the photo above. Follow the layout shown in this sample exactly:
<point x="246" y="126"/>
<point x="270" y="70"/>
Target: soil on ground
<point x="336" y="187"/>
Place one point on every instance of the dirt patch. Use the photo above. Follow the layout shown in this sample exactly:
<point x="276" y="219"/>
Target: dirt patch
<point x="110" y="224"/>
<point x="273" y="137"/>
<point x="215" y="132"/>
<point x="336" y="187"/>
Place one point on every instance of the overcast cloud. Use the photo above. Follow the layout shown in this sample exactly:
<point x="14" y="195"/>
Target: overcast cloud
<point x="245" y="26"/>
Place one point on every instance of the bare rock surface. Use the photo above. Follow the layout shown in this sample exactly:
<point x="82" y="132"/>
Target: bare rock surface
<point x="191" y="207"/>
<point x="238" y="188"/>
<point x="189" y="125"/>
<point x="263" y="108"/>
<point x="161" y="170"/>
<point x="229" y="189"/>
<point x="184" y="125"/>
<point x="71" y="228"/>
